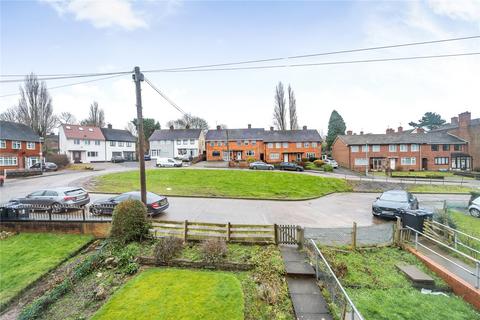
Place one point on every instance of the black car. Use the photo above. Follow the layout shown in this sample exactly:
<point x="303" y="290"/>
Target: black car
<point x="116" y="159"/>
<point x="391" y="203"/>
<point x="155" y="203"/>
<point x="46" y="166"/>
<point x="290" y="166"/>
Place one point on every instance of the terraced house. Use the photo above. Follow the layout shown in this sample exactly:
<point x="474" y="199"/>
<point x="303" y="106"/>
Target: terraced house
<point x="173" y="143"/>
<point x="449" y="147"/>
<point x="272" y="146"/>
<point x="20" y="146"/>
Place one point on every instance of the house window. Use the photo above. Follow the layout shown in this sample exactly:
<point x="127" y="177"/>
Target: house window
<point x="446" y="147"/>
<point x="192" y="141"/>
<point x="278" y="145"/>
<point x="434" y="147"/>
<point x="16" y="145"/>
<point x="314" y="144"/>
<point x="97" y="142"/>
<point x="8" y="161"/>
<point x="212" y="143"/>
<point x="120" y="143"/>
<point x="3" y="144"/>
<point x="179" y="142"/>
<point x="113" y="143"/>
<point x="306" y="144"/>
<point x="392" y="148"/>
<point x="414" y="147"/>
<point x="310" y="155"/>
<point x="168" y="141"/>
<point x="354" y="148"/>
<point x="376" y="148"/>
<point x="285" y="144"/>
<point x="408" y="161"/>
<point x="239" y="143"/>
<point x="219" y="143"/>
<point x="254" y="142"/>
<point x="365" y="148"/>
<point x="274" y="156"/>
<point x="87" y="142"/>
<point x="441" y="160"/>
<point x="403" y="148"/>
<point x="361" y="161"/>
<point x="270" y="145"/>
<point x="299" y="144"/>
<point x="153" y="152"/>
<point x="162" y="141"/>
<point x="299" y="157"/>
<point x="76" y="141"/>
<point x="129" y="144"/>
<point x="250" y="153"/>
<point x="457" y="147"/>
<point x="216" y="154"/>
<point x="185" y="141"/>
<point x="92" y="154"/>
<point x="31" y="145"/>
<point x="32" y="161"/>
<point x="246" y="142"/>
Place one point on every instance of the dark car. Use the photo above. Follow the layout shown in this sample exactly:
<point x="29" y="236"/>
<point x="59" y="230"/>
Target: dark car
<point x="55" y="199"/>
<point x="116" y="159"/>
<point x="46" y="166"/>
<point x="260" y="165"/>
<point x="155" y="203"/>
<point x="147" y="157"/>
<point x="391" y="203"/>
<point x="290" y="166"/>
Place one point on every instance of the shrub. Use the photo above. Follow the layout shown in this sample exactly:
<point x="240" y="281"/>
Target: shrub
<point x="318" y="163"/>
<point x="327" y="168"/>
<point x="129" y="222"/>
<point x="444" y="217"/>
<point x="302" y="163"/>
<point x="250" y="159"/>
<point x="213" y="250"/>
<point x="167" y="248"/>
<point x="61" y="160"/>
<point x="312" y="159"/>
<point x="126" y="257"/>
<point x="305" y="159"/>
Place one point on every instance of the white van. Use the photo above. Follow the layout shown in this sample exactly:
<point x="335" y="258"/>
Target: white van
<point x="168" y="162"/>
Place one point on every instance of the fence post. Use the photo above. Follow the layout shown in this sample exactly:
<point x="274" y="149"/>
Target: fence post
<point x="185" y="231"/>
<point x="300" y="237"/>
<point x="354" y="236"/>
<point x="416" y="240"/>
<point x="398" y="226"/>
<point x="275" y="233"/>
<point x="478" y="275"/>
<point x="83" y="213"/>
<point x="50" y="214"/>
<point x="228" y="231"/>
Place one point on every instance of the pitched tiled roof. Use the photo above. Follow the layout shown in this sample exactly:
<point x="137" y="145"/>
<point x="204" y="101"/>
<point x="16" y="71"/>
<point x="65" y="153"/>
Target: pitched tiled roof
<point x="169" y="134"/>
<point x="437" y="137"/>
<point x="265" y="135"/>
<point x="118" y="135"/>
<point x="73" y="131"/>
<point x="292" y="135"/>
<point x="17" y="131"/>
<point x="235" y="134"/>
<point x="449" y="126"/>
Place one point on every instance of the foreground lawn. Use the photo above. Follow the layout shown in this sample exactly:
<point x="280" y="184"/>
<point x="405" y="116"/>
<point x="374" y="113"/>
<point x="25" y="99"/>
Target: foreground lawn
<point x="223" y="183"/>
<point x="26" y="257"/>
<point x="432" y="188"/>
<point x="381" y="292"/>
<point x="177" y="294"/>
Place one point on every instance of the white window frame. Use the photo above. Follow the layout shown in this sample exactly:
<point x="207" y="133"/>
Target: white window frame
<point x="3" y="144"/>
<point x="392" y="148"/>
<point x="246" y="142"/>
<point x="376" y="148"/>
<point x="212" y="143"/>
<point x="97" y="142"/>
<point x="250" y="153"/>
<point x="120" y="143"/>
<point x="113" y="143"/>
<point x="16" y="145"/>
<point x="274" y="156"/>
<point x="270" y="145"/>
<point x="408" y="161"/>
<point x="92" y="154"/>
<point x="314" y="144"/>
<point x="129" y="144"/>
<point x="192" y="141"/>
<point x="8" y="161"/>
<point x="404" y="148"/>
<point x="365" y="148"/>
<point x="179" y="142"/>
<point x="76" y="141"/>
<point x="254" y="142"/>
<point x="86" y="142"/>
<point x="278" y="145"/>
<point x="299" y="144"/>
<point x="185" y="142"/>
<point x="414" y="147"/>
<point x="306" y="144"/>
<point x="285" y="144"/>
<point x="30" y="145"/>
<point x="361" y="162"/>
<point x="311" y="155"/>
<point x="354" y="149"/>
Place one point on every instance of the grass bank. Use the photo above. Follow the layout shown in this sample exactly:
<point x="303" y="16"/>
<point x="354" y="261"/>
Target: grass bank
<point x="26" y="257"/>
<point x="436" y="188"/>
<point x="381" y="291"/>
<point x="223" y="183"/>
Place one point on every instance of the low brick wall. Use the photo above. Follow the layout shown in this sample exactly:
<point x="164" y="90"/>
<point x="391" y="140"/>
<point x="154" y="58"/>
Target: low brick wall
<point x="97" y="229"/>
<point x="458" y="285"/>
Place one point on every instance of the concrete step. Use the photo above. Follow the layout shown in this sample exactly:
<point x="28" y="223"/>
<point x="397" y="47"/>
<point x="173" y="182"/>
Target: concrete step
<point x="416" y="275"/>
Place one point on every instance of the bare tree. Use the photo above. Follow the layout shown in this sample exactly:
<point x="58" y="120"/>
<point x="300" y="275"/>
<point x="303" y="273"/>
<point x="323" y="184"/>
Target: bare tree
<point x="292" y="109"/>
<point x="11" y="114"/>
<point x="96" y="116"/>
<point x="67" y="118"/>
<point x="192" y="122"/>
<point x="35" y="106"/>
<point x="131" y="128"/>
<point x="280" y="111"/>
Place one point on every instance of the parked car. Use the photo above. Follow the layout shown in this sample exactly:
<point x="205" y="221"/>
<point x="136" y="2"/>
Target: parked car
<point x="2" y="180"/>
<point x="168" y="162"/>
<point x="55" y="199"/>
<point x="290" y="166"/>
<point x="260" y="165"/>
<point x="155" y="203"/>
<point x="185" y="158"/>
<point x="117" y="159"/>
<point x="46" y="166"/>
<point x="331" y="162"/>
<point x="147" y="157"/>
<point x="391" y="203"/>
<point x="474" y="208"/>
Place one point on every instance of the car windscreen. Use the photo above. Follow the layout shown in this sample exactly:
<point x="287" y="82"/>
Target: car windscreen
<point x="396" y="197"/>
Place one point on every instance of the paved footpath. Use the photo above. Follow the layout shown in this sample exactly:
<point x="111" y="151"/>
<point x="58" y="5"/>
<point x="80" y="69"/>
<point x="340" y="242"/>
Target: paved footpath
<point x="308" y="301"/>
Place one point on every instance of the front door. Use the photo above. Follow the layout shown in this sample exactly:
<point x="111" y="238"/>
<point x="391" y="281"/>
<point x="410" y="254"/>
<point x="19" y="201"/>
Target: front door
<point x="285" y="157"/>
<point x="393" y="163"/>
<point x="424" y="163"/>
<point x="239" y="155"/>
<point x="225" y="156"/>
<point x="77" y="156"/>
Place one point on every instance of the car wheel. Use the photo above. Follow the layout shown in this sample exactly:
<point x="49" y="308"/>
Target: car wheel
<point x="475" y="213"/>
<point x="298" y="169"/>
<point x="56" y="208"/>
<point x="254" y="168"/>
<point x="270" y="168"/>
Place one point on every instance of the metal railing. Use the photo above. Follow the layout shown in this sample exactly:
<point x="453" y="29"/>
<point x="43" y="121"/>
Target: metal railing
<point x="457" y="238"/>
<point x="476" y="262"/>
<point x="343" y="306"/>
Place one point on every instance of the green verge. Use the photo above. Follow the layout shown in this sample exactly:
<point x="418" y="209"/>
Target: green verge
<point x="435" y="188"/>
<point x="381" y="292"/>
<point x="25" y="257"/>
<point x="176" y="294"/>
<point x="223" y="183"/>
<point x="469" y="225"/>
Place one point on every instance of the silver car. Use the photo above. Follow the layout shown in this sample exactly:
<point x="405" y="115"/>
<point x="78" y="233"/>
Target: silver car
<point x="55" y="199"/>
<point x="260" y="165"/>
<point x="474" y="208"/>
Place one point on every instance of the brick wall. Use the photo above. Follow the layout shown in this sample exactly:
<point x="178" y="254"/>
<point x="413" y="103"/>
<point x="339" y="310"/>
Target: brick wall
<point x="291" y="151"/>
<point x="341" y="153"/>
<point x="97" y="229"/>
<point x="20" y="154"/>
<point x="257" y="148"/>
<point x="472" y="135"/>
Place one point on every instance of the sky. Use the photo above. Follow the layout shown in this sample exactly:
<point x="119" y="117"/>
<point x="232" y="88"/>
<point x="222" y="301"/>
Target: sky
<point x="83" y="36"/>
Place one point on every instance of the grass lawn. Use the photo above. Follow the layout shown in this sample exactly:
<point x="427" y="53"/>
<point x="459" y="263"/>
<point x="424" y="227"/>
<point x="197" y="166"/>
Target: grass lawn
<point x="223" y="183"/>
<point x="27" y="256"/>
<point x="468" y="224"/>
<point x="176" y="294"/>
<point x="432" y="188"/>
<point x="381" y="292"/>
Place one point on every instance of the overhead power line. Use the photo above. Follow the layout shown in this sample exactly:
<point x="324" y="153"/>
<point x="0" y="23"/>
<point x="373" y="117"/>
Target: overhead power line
<point x="72" y="76"/>
<point x="165" y="97"/>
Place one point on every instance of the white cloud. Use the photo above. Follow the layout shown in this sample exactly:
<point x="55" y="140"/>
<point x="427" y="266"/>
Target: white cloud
<point x="468" y="10"/>
<point x="102" y="13"/>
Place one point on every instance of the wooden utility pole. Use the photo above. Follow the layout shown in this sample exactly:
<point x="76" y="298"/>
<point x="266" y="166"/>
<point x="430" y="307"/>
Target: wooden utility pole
<point x="138" y="78"/>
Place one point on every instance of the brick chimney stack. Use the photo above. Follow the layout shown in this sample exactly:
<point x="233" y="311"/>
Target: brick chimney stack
<point x="187" y="126"/>
<point x="109" y="126"/>
<point x="361" y="133"/>
<point x="218" y="127"/>
<point x="389" y="131"/>
<point x="249" y="126"/>
<point x="171" y="128"/>
<point x="271" y="128"/>
<point x="304" y="127"/>
<point x="420" y="130"/>
<point x="400" y="129"/>
<point x="464" y="119"/>
<point x="349" y="132"/>
<point x="454" y="120"/>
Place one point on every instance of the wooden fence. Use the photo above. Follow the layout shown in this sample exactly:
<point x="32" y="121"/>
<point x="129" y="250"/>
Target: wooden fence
<point x="187" y="230"/>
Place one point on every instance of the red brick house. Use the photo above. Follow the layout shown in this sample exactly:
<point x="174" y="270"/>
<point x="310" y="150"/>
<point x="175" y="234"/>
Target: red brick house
<point x="20" y="146"/>
<point x="409" y="150"/>
<point x="271" y="146"/>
